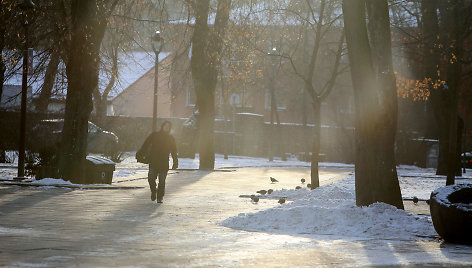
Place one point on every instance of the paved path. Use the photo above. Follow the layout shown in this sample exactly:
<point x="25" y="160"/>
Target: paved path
<point x="57" y="227"/>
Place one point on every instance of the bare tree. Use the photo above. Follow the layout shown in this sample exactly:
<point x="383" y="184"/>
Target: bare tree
<point x="319" y="24"/>
<point x="88" y="24"/>
<point x="207" y="43"/>
<point x="442" y="27"/>
<point x="373" y="80"/>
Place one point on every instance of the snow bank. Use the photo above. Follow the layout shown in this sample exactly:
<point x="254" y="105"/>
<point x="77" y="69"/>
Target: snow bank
<point x="331" y="210"/>
<point x="51" y="181"/>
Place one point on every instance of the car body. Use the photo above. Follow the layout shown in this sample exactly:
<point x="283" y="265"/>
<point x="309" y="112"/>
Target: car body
<point x="466" y="159"/>
<point x="47" y="134"/>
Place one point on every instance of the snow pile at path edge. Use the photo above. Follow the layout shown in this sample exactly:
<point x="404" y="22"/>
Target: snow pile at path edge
<point x="331" y="210"/>
<point x="51" y="181"/>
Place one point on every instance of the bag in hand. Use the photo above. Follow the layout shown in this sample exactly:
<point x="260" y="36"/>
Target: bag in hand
<point x="143" y="155"/>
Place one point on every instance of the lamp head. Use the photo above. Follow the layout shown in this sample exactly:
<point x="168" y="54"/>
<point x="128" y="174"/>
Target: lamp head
<point x="157" y="40"/>
<point x="274" y="55"/>
<point x="273" y="52"/>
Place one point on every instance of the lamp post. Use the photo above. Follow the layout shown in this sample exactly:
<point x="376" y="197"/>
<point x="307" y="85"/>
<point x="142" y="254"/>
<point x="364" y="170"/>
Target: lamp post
<point x="272" y="55"/>
<point x="156" y="42"/>
<point x="25" y="6"/>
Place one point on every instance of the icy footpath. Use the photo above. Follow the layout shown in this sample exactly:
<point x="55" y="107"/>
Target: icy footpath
<point x="332" y="210"/>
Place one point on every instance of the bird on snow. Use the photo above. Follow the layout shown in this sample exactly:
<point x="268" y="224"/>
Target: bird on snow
<point x="308" y="185"/>
<point x="261" y="192"/>
<point x="255" y="198"/>
<point x="273" y="180"/>
<point x="298" y="187"/>
<point x="270" y="191"/>
<point x="303" y="180"/>
<point x="281" y="200"/>
<point x="415" y="199"/>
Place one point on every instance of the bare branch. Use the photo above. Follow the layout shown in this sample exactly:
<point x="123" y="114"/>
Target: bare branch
<point x="330" y="84"/>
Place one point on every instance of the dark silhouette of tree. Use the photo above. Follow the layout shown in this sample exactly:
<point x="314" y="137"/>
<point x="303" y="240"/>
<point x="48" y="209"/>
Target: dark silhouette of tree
<point x="444" y="28"/>
<point x="88" y="24"/>
<point x="369" y="48"/>
<point x="207" y="43"/>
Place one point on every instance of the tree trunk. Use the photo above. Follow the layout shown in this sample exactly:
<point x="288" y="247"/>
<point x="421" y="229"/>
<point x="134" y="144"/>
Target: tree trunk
<point x="454" y="71"/>
<point x="82" y="75"/>
<point x="50" y="75"/>
<point x="206" y="57"/>
<point x="3" y="156"/>
<point x="206" y="106"/>
<point x="375" y="100"/>
<point x="227" y="117"/>
<point x="379" y="31"/>
<point x="451" y="30"/>
<point x="315" y="155"/>
<point x="431" y="57"/>
<point x="100" y="104"/>
<point x="101" y="99"/>
<point x="2" y="64"/>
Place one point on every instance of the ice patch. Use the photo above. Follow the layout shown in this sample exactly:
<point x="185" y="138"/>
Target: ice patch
<point x="4" y="230"/>
<point x="23" y="264"/>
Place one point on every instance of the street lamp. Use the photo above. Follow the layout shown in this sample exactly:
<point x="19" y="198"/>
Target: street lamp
<point x="25" y="6"/>
<point x="273" y="58"/>
<point x="157" y="42"/>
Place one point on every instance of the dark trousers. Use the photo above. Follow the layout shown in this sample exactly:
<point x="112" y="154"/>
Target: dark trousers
<point x="161" y="188"/>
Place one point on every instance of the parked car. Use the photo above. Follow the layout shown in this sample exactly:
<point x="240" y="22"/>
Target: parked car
<point x="47" y="134"/>
<point x="467" y="159"/>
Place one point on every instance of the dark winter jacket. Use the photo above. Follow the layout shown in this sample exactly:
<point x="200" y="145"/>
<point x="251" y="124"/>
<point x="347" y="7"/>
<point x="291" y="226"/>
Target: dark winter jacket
<point x="161" y="144"/>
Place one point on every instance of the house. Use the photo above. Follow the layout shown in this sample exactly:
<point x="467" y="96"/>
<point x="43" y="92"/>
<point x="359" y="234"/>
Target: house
<point x="135" y="95"/>
<point x="176" y="96"/>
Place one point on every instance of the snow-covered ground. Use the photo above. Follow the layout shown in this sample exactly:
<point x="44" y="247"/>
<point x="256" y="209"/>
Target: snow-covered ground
<point x="331" y="210"/>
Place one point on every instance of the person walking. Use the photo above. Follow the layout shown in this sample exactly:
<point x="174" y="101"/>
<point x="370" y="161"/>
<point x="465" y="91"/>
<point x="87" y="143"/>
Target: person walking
<point x="155" y="151"/>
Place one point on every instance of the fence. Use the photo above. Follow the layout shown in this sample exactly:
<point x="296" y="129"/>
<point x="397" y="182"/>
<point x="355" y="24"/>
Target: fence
<point x="245" y="134"/>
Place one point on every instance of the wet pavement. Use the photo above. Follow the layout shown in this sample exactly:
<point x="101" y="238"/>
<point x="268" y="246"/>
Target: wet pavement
<point x="57" y="227"/>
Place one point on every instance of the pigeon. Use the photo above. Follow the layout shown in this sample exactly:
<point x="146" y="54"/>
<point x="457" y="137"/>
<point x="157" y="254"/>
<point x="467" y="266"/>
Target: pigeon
<point x="303" y="180"/>
<point x="255" y="199"/>
<point x="298" y="187"/>
<point x="261" y="192"/>
<point x="273" y="180"/>
<point x="281" y="200"/>
<point x="308" y="185"/>
<point x="415" y="199"/>
<point x="270" y="191"/>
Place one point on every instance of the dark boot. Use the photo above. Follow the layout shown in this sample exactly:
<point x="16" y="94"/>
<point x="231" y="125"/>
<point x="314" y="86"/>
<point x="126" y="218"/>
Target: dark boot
<point x="153" y="195"/>
<point x="161" y="187"/>
<point x="152" y="186"/>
